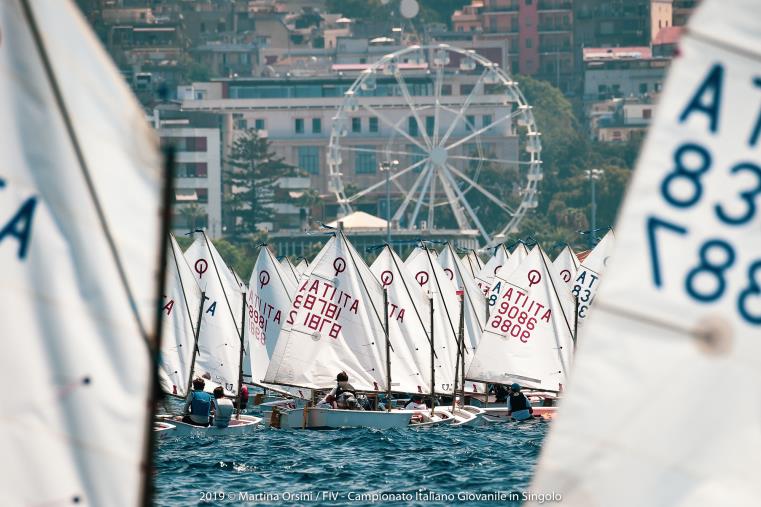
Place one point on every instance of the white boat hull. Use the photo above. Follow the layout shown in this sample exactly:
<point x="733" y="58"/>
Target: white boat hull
<point x="329" y="418"/>
<point x="424" y="419"/>
<point x="461" y="416"/>
<point x="246" y="424"/>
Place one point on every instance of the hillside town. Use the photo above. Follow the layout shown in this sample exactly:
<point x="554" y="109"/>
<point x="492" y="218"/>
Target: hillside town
<point x="208" y="71"/>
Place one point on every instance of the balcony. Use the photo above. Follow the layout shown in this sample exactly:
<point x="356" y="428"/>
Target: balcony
<point x="553" y="27"/>
<point x="496" y="6"/>
<point x="549" y="5"/>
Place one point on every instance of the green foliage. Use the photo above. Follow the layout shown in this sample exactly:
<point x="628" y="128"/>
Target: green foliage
<point x="565" y="193"/>
<point x="253" y="183"/>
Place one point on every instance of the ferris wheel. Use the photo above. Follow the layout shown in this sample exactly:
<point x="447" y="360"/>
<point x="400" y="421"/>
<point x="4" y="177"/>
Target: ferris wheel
<point x="455" y="133"/>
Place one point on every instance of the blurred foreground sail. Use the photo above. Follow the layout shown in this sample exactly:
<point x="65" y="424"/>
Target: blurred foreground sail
<point x="663" y="407"/>
<point x="79" y="248"/>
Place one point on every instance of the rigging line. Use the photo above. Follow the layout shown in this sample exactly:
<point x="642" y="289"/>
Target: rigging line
<point x="438" y="285"/>
<point x="562" y="310"/>
<point x="464" y="289"/>
<point x="277" y="270"/>
<point x="367" y="291"/>
<point x="409" y="294"/>
<point x="290" y="266"/>
<point x="70" y="131"/>
<point x="182" y="287"/>
<point x="224" y="292"/>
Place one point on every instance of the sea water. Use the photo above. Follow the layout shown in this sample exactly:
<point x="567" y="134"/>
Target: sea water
<point x="444" y="465"/>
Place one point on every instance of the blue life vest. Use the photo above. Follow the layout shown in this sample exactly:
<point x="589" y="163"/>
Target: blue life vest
<point x="200" y="404"/>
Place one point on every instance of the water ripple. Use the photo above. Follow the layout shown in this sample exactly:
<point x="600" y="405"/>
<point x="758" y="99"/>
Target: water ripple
<point x="435" y="461"/>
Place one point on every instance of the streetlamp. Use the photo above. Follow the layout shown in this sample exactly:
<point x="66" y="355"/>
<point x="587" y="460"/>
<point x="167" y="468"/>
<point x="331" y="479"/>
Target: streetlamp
<point x="386" y="167"/>
<point x="593" y="175"/>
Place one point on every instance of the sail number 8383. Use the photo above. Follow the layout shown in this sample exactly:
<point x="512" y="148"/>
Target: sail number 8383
<point x="716" y="256"/>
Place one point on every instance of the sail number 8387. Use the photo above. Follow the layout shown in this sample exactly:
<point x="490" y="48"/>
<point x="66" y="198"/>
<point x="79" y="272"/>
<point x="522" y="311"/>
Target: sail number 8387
<point x="716" y="256"/>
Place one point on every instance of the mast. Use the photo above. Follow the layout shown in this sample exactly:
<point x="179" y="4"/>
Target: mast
<point x="195" y="347"/>
<point x="240" y="358"/>
<point x="462" y="349"/>
<point x="433" y="363"/>
<point x="388" y="350"/>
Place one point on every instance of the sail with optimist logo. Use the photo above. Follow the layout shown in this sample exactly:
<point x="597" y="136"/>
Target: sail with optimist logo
<point x="335" y="324"/>
<point x="475" y="303"/>
<point x="219" y="340"/>
<point x="180" y="318"/>
<point x="81" y="249"/>
<point x="677" y="319"/>
<point x="529" y="336"/>
<point x="485" y="276"/>
<point x="567" y="265"/>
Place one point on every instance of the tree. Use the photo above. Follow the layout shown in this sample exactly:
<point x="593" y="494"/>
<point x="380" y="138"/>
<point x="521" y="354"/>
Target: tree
<point x="253" y="182"/>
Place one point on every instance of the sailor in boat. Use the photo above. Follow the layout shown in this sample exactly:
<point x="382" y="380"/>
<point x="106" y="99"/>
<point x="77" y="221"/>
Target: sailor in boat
<point x="518" y="405"/>
<point x="243" y="398"/>
<point x="199" y="405"/>
<point x="223" y="408"/>
<point x="416" y="403"/>
<point x="342" y="396"/>
<point x="500" y="393"/>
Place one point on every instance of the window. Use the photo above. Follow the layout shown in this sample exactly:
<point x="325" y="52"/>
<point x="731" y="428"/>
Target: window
<point x="365" y="162"/>
<point x="240" y="122"/>
<point x="417" y="154"/>
<point x="191" y="169"/>
<point x="299" y="125"/>
<point x="356" y="125"/>
<point x="486" y="120"/>
<point x="529" y="43"/>
<point x="185" y="143"/>
<point x="203" y="195"/>
<point x="446" y="90"/>
<point x="465" y="89"/>
<point x="529" y="2"/>
<point x="470" y="123"/>
<point x="643" y="87"/>
<point x="430" y="123"/>
<point x="316" y="125"/>
<point x="259" y="124"/>
<point x="309" y="159"/>
<point x="412" y="126"/>
<point x="647" y="113"/>
<point x="373" y="127"/>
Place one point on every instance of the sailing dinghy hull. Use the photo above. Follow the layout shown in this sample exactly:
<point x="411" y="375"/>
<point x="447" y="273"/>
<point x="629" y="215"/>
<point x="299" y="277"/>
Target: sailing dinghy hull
<point x="328" y="418"/>
<point x="246" y="424"/>
<point x="461" y="416"/>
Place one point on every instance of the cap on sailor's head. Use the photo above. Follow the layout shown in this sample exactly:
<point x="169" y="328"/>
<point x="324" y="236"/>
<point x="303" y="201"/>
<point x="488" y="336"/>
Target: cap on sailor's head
<point x="515" y="387"/>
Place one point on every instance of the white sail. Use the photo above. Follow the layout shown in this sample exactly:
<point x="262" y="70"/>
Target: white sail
<point x="409" y="324"/>
<point x="677" y="320"/>
<point x="432" y="279"/>
<point x="270" y="294"/>
<point x="485" y="276"/>
<point x="180" y="313"/>
<point x="473" y="262"/>
<point x="290" y="270"/>
<point x="334" y="325"/>
<point x="219" y="340"/>
<point x="529" y="336"/>
<point x="302" y="266"/>
<point x="475" y="303"/>
<point x="567" y="264"/>
<point x="80" y="178"/>
<point x="498" y="287"/>
<point x="588" y="276"/>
